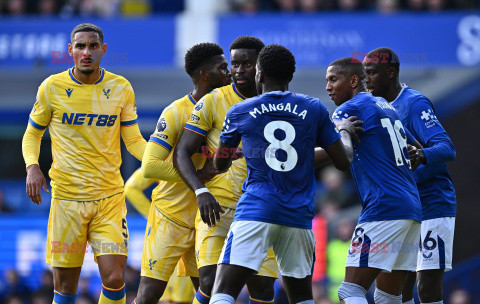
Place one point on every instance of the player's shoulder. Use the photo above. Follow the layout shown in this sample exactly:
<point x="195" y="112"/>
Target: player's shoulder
<point x="119" y="79"/>
<point x="411" y="96"/>
<point x="309" y="101"/>
<point x="186" y="101"/>
<point x="219" y="93"/>
<point x="56" y="78"/>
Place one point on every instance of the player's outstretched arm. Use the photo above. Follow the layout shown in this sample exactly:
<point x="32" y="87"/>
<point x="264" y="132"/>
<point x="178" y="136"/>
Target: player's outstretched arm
<point x="134" y="188"/>
<point x="187" y="145"/>
<point x="341" y="152"/>
<point x="31" y="151"/>
<point x="320" y="158"/>
<point x="154" y="164"/>
<point x="133" y="140"/>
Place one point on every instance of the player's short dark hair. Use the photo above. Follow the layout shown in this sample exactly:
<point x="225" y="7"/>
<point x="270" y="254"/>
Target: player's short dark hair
<point x="277" y="61"/>
<point x="247" y="42"/>
<point x="199" y="57"/>
<point x="87" y="27"/>
<point x="349" y="67"/>
<point x="384" y="56"/>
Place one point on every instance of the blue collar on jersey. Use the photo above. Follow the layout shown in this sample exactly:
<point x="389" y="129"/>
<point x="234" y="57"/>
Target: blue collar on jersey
<point x="191" y="98"/>
<point x="70" y="72"/>
<point x="237" y="92"/>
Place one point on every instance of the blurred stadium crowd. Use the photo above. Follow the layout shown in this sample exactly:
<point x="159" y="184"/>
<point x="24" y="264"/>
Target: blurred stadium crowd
<point x="138" y="8"/>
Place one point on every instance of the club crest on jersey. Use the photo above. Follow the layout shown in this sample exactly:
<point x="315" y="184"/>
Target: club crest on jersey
<point x="69" y="92"/>
<point x="226" y="126"/>
<point x="151" y="263"/>
<point x="429" y="117"/>
<point x="339" y="115"/>
<point x="161" y="125"/>
<point x="199" y="106"/>
<point x="106" y="93"/>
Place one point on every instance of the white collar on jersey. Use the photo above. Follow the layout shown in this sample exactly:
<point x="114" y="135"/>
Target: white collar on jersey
<point x="401" y="91"/>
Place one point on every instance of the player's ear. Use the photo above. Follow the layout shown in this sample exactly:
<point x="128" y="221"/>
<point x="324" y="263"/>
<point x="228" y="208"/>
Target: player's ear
<point x="391" y="72"/>
<point x="354" y="81"/>
<point x="203" y="75"/>
<point x="70" y="50"/>
<point x="104" y="49"/>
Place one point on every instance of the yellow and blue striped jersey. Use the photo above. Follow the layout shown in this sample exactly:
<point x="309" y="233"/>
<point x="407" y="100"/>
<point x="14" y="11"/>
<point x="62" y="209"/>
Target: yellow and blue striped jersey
<point x="207" y="120"/>
<point x="175" y="200"/>
<point x="84" y="121"/>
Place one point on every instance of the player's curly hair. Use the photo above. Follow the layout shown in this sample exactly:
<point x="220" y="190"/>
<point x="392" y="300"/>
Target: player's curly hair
<point x="198" y="57"/>
<point x="247" y="42"/>
<point x="87" y="27"/>
<point x="350" y="66"/>
<point x="277" y="61"/>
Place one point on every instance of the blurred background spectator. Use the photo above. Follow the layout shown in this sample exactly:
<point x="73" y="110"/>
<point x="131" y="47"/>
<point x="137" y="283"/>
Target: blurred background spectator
<point x="13" y="289"/>
<point x="139" y="8"/>
<point x="460" y="296"/>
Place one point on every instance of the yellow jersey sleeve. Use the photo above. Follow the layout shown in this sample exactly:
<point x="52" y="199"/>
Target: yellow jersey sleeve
<point x="169" y="127"/>
<point x="128" y="115"/>
<point x="41" y="113"/>
<point x="203" y="115"/>
<point x="134" y="188"/>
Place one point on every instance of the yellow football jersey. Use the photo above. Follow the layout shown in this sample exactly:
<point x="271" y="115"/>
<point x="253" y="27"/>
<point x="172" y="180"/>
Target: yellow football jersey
<point x="207" y="119"/>
<point x="84" y="122"/>
<point x="175" y="200"/>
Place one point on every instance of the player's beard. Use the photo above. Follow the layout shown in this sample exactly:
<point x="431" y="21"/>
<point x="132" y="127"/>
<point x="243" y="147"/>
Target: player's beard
<point x="86" y="71"/>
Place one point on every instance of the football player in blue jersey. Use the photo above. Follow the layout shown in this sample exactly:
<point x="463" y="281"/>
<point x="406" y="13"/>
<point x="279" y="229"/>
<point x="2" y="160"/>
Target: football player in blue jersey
<point x="279" y="131"/>
<point x="388" y="229"/>
<point x="434" y="183"/>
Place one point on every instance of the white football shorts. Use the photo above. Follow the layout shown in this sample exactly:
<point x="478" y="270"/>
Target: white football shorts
<point x="436" y="244"/>
<point x="248" y="242"/>
<point x="387" y="245"/>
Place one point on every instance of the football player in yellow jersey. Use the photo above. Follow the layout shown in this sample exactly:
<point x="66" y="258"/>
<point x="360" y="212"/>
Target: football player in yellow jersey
<point x="87" y="110"/>
<point x="170" y="233"/>
<point x="179" y="289"/>
<point x="206" y="123"/>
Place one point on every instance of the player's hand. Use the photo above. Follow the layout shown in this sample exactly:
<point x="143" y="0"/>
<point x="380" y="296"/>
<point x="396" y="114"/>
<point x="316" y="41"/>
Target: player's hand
<point x="351" y="125"/>
<point x="208" y="171"/>
<point x="239" y="153"/>
<point x="209" y="208"/>
<point x="417" y="157"/>
<point x="35" y="182"/>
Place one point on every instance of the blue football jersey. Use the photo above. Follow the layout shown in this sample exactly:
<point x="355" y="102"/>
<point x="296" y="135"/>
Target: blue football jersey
<point x="279" y="132"/>
<point x="433" y="180"/>
<point x="381" y="165"/>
